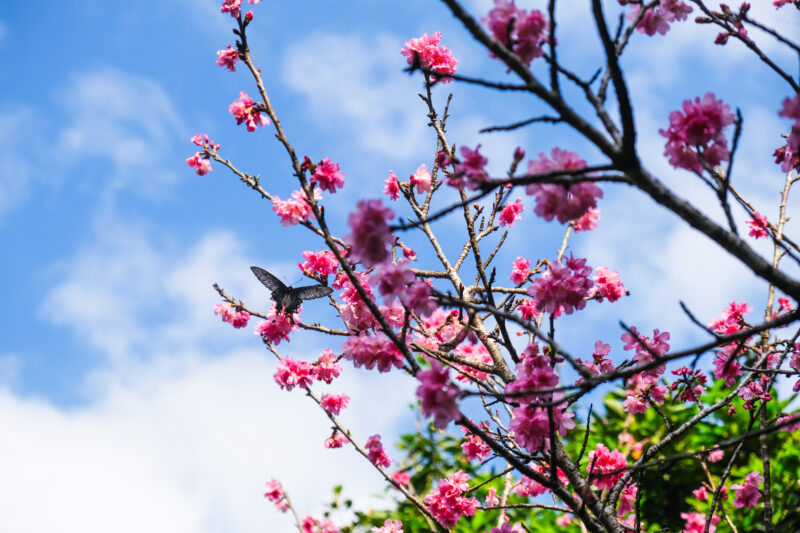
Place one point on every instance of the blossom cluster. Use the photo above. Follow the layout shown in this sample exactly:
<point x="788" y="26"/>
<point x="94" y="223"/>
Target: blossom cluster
<point x="431" y="55"/>
<point x="658" y="18"/>
<point x="521" y="31"/>
<point x="237" y="319"/>
<point x="447" y="503"/>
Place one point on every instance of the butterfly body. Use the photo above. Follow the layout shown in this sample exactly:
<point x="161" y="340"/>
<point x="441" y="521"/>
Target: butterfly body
<point x="288" y="299"/>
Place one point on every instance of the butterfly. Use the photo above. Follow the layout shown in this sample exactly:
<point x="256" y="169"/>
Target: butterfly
<point x="288" y="299"/>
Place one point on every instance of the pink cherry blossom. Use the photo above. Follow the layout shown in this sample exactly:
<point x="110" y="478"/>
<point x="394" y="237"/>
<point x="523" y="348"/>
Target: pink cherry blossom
<point x="408" y="253"/>
<point x="716" y="455"/>
<point x="328" y="176"/>
<point x="349" y="293"/>
<point x="469" y="171"/>
<point x="370" y="232"/>
<point x="326" y="369"/>
<point x="237" y="319"/>
<point x="627" y="499"/>
<point x="696" y="523"/>
<point x="392" y="187"/>
<point x="511" y="213"/>
<point x="430" y="54"/>
<point x="607" y="284"/>
<point x="732" y="319"/>
<point x="787" y="158"/>
<point x="531" y="425"/>
<point x="748" y="493"/>
<point x="421" y="179"/>
<point x="292" y="373"/>
<point x="755" y="390"/>
<point x="376" y="453"/>
<point x="529" y="487"/>
<point x="727" y="367"/>
<point x="276" y="495"/>
<point x="438" y="395"/>
<point x="447" y="503"/>
<point x="234" y="7"/>
<point x="700" y="493"/>
<point x="792" y="423"/>
<point x="389" y="526"/>
<point x="244" y="110"/>
<point x="322" y="263"/>
<point x="658" y="19"/>
<point x="523" y="32"/>
<point x="533" y="373"/>
<point x="200" y="164"/>
<point x="528" y="309"/>
<point x="606" y="467"/>
<point x="296" y="209"/>
<point x="276" y="327"/>
<point x="758" y="226"/>
<point x="402" y="478"/>
<point x="646" y="348"/>
<point x="562" y="287"/>
<point x="699" y="127"/>
<point x="393" y="279"/>
<point x="791" y="110"/>
<point x="334" y="403"/>
<point x="642" y="387"/>
<point x="491" y="497"/>
<point x="520" y="270"/>
<point x="337" y="440"/>
<point x="372" y="351"/>
<point x="475" y="353"/>
<point x="588" y="221"/>
<point x="691" y="384"/>
<point x="228" y="58"/>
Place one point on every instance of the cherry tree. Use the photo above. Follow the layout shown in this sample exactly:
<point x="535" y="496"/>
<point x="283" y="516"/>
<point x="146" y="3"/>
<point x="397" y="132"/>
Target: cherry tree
<point x="481" y="339"/>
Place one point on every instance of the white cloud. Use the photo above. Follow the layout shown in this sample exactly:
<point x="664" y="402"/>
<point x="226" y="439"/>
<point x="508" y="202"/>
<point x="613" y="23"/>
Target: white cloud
<point x="357" y="90"/>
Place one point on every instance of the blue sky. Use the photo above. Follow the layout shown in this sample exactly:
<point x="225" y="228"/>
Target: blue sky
<point x="126" y="404"/>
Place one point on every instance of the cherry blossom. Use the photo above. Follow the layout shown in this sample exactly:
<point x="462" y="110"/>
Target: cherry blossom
<point x="607" y="284"/>
<point x="430" y="54"/>
<point x="337" y="440"/>
<point x="393" y="279"/>
<point x="234" y="7"/>
<point x="328" y="176"/>
<point x="758" y="226"/>
<point x="491" y="497"/>
<point x="376" y="452"/>
<point x="389" y="526"/>
<point x="200" y="163"/>
<point x="371" y="351"/>
<point x="276" y="495"/>
<point x="553" y="200"/>
<point x="531" y="425"/>
<point x="438" y="395"/>
<point x="276" y="327"/>
<point x="523" y="32"/>
<point x="698" y="131"/>
<point x="334" y="403"/>
<point x="447" y="503"/>
<point x="469" y="171"/>
<point x="401" y="477"/>
<point x="475" y="353"/>
<point x="691" y="384"/>
<point x="520" y="270"/>
<point x="237" y="319"/>
<point x="370" y="232"/>
<point x="696" y="523"/>
<point x="791" y="110"/>
<point x="292" y="373"/>
<point x="244" y="109"/>
<point x="748" y="493"/>
<point x="588" y="221"/>
<point x="645" y="349"/>
<point x="392" y="187"/>
<point x="322" y="263"/>
<point x="296" y="209"/>
<point x="228" y="58"/>
<point x="511" y="213"/>
<point x="563" y="286"/>
<point x="606" y="467"/>
<point x="421" y="179"/>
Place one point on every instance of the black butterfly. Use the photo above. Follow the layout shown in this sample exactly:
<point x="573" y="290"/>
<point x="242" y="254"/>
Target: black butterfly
<point x="286" y="298"/>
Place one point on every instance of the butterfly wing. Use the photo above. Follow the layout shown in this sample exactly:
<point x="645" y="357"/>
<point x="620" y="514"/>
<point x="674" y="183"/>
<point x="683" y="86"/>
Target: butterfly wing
<point x="311" y="292"/>
<point x="271" y="282"/>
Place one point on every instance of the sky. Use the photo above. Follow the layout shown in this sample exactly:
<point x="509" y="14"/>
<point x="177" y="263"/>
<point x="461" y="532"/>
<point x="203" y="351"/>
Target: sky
<point x="126" y="404"/>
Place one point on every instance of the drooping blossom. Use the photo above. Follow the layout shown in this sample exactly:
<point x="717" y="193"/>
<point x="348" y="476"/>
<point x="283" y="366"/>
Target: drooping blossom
<point x="791" y="110"/>
<point x="393" y="279"/>
<point x="326" y="369"/>
<point x="402" y="477"/>
<point x="564" y="203"/>
<point x="444" y="325"/>
<point x="531" y="425"/>
<point x="491" y="497"/>
<point x="295" y="209"/>
<point x="370" y="232"/>
<point x="234" y="7"/>
<point x="642" y="388"/>
<point x="408" y="253"/>
<point x="244" y="109"/>
<point x="334" y="403"/>
<point x="337" y="440"/>
<point x="528" y="309"/>
<point x="600" y="364"/>
<point x="322" y="263"/>
<point x="474" y="353"/>
<point x="447" y="502"/>
<point x="726" y="366"/>
<point x="588" y="221"/>
<point x="376" y="453"/>
<point x="691" y="384"/>
<point x="349" y="292"/>
<point x="469" y="171"/>
<point x="421" y="179"/>
<point x="474" y="447"/>
<point x="276" y="327"/>
<point x="532" y="488"/>
<point x="328" y="176"/>
<point x="700" y="493"/>
<point x="200" y="163"/>
<point x="787" y="158"/>
<point x="438" y="395"/>
<point x="389" y="526"/>
<point x="758" y="226"/>
<point x="520" y="270"/>
<point x="627" y="499"/>
<point x="564" y="286"/>
<point x="292" y="373"/>
<point x="696" y="523"/>
<point x="392" y="187"/>
<point x="430" y="54"/>
<point x="658" y="19"/>
<point x="276" y="495"/>
<point x="755" y="390"/>
<point x="521" y="31"/>
<point x="748" y="493"/>
<point x="418" y="298"/>
<point x="696" y="131"/>
<point x="237" y="319"/>
<point x="511" y="213"/>
<point x="646" y="349"/>
<point x="606" y="467"/>
<point x="533" y="373"/>
<point x="607" y="284"/>
<point x="228" y="58"/>
<point x="371" y="351"/>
